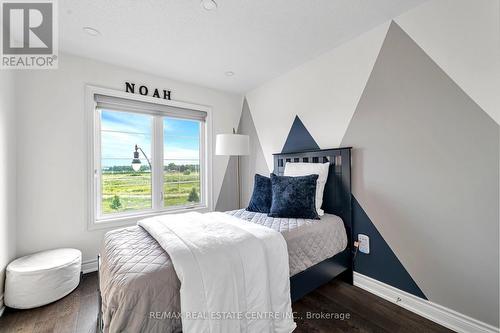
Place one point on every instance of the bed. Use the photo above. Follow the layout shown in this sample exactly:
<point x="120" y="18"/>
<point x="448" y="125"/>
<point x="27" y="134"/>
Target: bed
<point x="139" y="286"/>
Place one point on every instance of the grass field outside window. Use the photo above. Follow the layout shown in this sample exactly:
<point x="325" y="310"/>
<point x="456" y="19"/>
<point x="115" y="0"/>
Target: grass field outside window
<point x="134" y="190"/>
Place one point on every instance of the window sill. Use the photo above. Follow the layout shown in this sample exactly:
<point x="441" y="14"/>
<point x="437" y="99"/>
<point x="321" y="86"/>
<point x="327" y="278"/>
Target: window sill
<point x="129" y="220"/>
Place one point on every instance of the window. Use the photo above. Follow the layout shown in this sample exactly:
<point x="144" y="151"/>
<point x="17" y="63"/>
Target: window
<point x="147" y="158"/>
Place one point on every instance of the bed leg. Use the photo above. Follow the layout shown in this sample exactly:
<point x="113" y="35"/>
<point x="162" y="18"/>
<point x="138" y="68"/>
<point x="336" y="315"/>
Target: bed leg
<point x="347" y="276"/>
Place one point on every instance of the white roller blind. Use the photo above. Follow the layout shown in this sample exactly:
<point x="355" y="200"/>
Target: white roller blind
<point x="123" y="104"/>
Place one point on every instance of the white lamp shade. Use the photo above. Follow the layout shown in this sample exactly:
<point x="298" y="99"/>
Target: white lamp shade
<point x="232" y="144"/>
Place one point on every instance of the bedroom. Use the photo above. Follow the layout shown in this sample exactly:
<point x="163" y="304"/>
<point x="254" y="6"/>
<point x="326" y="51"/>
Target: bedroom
<point x="399" y="100"/>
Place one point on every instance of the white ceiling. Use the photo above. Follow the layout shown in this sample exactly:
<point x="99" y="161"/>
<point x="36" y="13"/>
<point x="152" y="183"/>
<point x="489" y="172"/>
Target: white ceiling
<point x="257" y="40"/>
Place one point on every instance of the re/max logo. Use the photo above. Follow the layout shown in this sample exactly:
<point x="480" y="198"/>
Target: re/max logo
<point x="143" y="90"/>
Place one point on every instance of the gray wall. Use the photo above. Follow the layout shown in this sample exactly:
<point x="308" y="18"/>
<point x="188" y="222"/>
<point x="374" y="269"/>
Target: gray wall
<point x="425" y="170"/>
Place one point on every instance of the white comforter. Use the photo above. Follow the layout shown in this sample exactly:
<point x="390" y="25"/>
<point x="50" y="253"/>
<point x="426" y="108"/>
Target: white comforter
<point x="234" y="275"/>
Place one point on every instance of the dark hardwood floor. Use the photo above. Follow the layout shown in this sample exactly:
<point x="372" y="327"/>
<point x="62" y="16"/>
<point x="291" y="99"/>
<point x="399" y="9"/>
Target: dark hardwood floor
<point x="76" y="312"/>
<point x="350" y="309"/>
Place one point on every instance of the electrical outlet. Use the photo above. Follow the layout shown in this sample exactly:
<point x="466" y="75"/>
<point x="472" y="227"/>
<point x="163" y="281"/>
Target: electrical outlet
<point x="364" y="243"/>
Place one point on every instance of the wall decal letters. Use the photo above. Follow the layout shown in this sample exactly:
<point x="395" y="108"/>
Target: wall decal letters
<point x="144" y="91"/>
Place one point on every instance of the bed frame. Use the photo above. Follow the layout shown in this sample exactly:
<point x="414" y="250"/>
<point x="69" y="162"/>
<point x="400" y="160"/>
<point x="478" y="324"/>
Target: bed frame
<point x="337" y="200"/>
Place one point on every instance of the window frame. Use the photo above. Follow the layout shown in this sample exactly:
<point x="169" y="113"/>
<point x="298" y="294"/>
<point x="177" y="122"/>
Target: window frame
<point x="95" y="220"/>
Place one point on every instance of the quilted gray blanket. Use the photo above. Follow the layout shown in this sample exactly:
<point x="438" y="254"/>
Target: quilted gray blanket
<point x="139" y="285"/>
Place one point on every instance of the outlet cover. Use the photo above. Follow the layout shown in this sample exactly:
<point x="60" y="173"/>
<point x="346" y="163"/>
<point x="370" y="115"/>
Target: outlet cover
<point x="364" y="243"/>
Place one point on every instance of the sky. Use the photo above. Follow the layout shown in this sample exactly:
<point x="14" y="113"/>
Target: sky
<point x="121" y="131"/>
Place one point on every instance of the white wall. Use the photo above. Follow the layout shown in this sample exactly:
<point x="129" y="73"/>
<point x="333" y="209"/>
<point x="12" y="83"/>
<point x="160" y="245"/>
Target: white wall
<point x="7" y="174"/>
<point x="323" y="92"/>
<point x="52" y="154"/>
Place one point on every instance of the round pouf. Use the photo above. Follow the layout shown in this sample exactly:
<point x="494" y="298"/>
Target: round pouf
<point x="42" y="278"/>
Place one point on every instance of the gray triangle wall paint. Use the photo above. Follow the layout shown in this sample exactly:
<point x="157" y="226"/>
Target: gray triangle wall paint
<point x="426" y="172"/>
<point x="249" y="166"/>
<point x="228" y="199"/>
<point x="255" y="162"/>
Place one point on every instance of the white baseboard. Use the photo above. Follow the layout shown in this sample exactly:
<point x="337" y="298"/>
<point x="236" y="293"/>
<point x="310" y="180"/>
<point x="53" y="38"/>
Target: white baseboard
<point x="89" y="266"/>
<point x="437" y="313"/>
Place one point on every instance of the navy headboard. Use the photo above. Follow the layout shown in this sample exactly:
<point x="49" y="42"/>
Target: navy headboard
<point x="337" y="198"/>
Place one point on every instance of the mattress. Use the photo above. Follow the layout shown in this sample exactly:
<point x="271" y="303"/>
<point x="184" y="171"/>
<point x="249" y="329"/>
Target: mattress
<point x="139" y="286"/>
<point x="309" y="241"/>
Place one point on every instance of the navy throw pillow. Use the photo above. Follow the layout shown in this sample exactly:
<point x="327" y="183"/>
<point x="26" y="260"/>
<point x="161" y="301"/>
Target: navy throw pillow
<point x="294" y="197"/>
<point x="261" y="196"/>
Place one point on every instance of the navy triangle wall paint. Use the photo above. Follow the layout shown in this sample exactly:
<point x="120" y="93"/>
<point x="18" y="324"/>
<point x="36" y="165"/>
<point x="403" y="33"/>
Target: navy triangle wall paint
<point x="299" y="138"/>
<point x="381" y="264"/>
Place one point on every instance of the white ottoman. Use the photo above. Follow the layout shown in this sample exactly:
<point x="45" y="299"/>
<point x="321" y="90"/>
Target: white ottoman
<point x="42" y="278"/>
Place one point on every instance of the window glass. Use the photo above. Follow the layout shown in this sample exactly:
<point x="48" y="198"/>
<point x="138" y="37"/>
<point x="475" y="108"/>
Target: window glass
<point x="122" y="188"/>
<point x="181" y="162"/>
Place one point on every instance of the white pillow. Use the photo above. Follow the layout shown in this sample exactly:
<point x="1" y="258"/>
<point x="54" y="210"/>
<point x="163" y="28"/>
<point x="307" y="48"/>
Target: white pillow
<point x="305" y="169"/>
